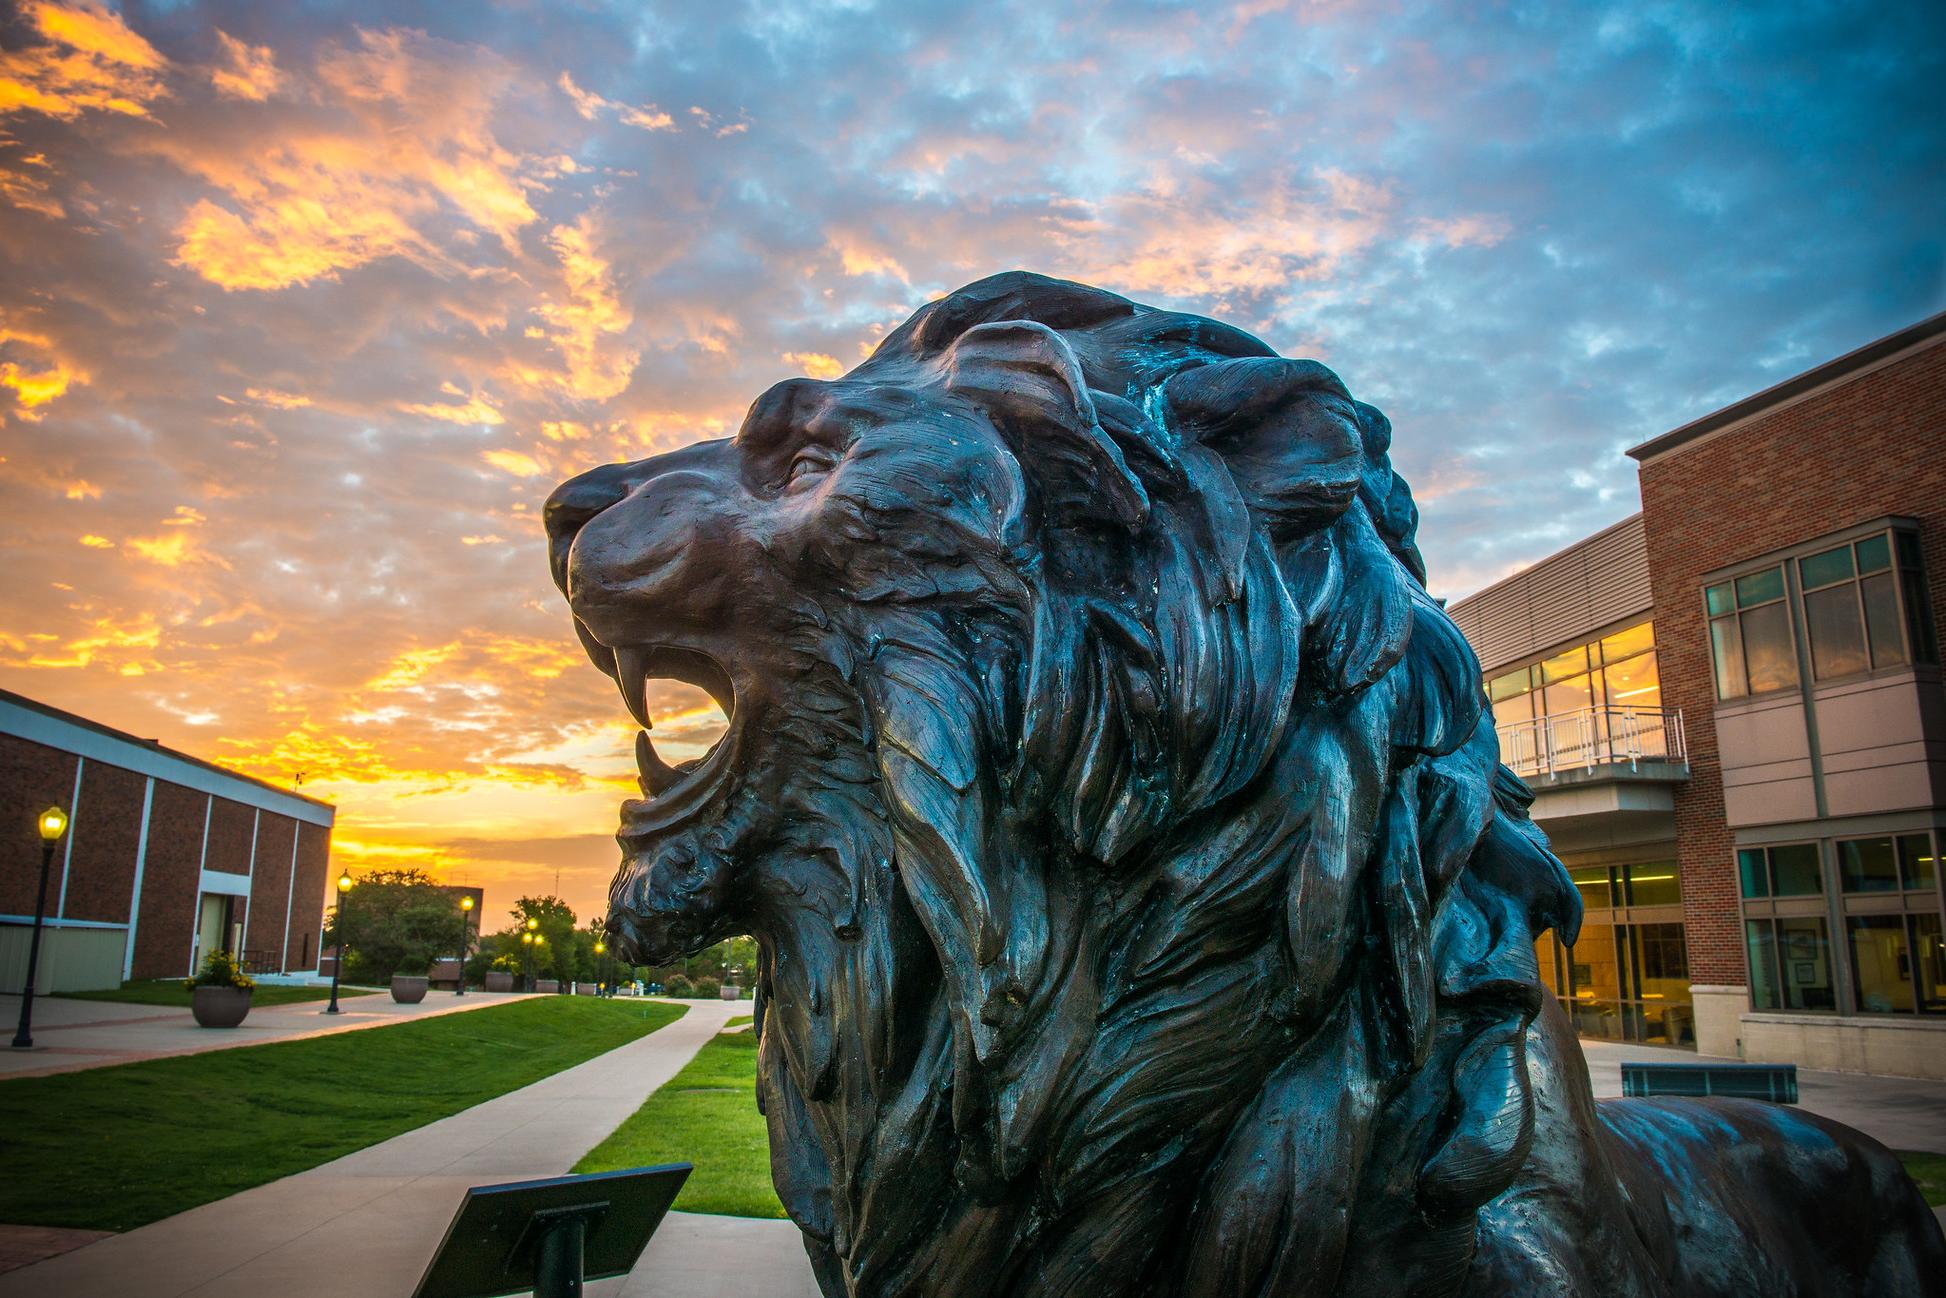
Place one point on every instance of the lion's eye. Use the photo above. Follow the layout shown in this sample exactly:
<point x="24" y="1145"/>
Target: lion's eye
<point x="808" y="463"/>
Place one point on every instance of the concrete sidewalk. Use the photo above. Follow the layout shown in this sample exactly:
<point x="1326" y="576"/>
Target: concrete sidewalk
<point x="1898" y="1112"/>
<point x="70" y="1035"/>
<point x="367" y="1224"/>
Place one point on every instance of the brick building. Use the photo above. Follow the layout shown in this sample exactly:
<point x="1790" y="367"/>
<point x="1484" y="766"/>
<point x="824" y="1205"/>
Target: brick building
<point x="1730" y="707"/>
<point x="166" y="858"/>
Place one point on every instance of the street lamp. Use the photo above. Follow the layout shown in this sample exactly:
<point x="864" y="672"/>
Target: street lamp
<point x="54" y="823"/>
<point x="338" y="962"/>
<point x="601" y="949"/>
<point x="465" y="905"/>
<point x="527" y="960"/>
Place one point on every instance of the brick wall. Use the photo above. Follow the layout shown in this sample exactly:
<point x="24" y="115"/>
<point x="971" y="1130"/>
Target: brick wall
<point x="231" y="826"/>
<point x="107" y="831"/>
<point x="171" y="882"/>
<point x="32" y="778"/>
<point x="270" y="884"/>
<point x="307" y="913"/>
<point x="1872" y="446"/>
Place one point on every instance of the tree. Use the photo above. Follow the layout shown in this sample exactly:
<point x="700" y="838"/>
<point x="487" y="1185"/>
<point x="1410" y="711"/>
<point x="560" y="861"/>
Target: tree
<point x="394" y="920"/>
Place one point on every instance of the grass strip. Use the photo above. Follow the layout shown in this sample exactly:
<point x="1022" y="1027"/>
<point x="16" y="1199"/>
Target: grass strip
<point x="170" y="991"/>
<point x="115" y="1148"/>
<point x="706" y="1115"/>
<point x="1929" y="1170"/>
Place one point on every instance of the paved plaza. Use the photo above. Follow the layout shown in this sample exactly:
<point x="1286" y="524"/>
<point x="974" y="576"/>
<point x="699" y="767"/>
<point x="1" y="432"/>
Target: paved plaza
<point x="75" y="1034"/>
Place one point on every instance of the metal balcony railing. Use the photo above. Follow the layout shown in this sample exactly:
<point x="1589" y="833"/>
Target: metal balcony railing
<point x="1590" y="737"/>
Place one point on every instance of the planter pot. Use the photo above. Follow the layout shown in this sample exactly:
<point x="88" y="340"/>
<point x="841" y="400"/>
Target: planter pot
<point x="409" y="990"/>
<point x="728" y="991"/>
<point x="220" y="1007"/>
<point x="499" y="980"/>
<point x="549" y="986"/>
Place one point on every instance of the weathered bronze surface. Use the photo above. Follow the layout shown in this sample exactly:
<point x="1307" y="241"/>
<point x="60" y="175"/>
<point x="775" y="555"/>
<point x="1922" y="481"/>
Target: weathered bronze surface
<point x="1144" y="909"/>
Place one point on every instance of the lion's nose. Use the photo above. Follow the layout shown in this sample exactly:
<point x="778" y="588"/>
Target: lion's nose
<point x="581" y="498"/>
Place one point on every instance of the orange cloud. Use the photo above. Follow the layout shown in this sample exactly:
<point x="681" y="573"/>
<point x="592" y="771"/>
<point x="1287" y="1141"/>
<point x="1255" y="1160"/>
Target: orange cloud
<point x="514" y="462"/>
<point x="251" y="71"/>
<point x="815" y="364"/>
<point x="405" y="149"/>
<point x="476" y="409"/>
<point x="34" y="388"/>
<point x="123" y="646"/>
<point x="590" y="105"/>
<point x="90" y="60"/>
<point x="585" y="322"/>
<point x="281" y="400"/>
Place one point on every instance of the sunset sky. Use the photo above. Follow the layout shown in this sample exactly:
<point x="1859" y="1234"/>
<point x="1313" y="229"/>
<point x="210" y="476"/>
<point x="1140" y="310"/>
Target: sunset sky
<point x="305" y="309"/>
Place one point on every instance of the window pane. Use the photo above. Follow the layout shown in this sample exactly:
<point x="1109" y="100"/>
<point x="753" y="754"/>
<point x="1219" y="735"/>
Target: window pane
<point x="1929" y="954"/>
<point x="1908" y="549"/>
<point x="1593" y="885"/>
<point x="1508" y="685"/>
<point x="1882" y="620"/>
<point x="1635" y="683"/>
<point x="1662" y="963"/>
<point x="1546" y="955"/>
<point x="1750" y="867"/>
<point x="1763" y="964"/>
<point x="1804" y="961"/>
<point x="1726" y="645"/>
<point x="1721" y="599"/>
<point x="1919" y="611"/>
<point x="1794" y="870"/>
<point x="1767" y="652"/>
<point x="1874" y="553"/>
<point x="1866" y="865"/>
<point x="1572" y="663"/>
<point x="1823" y="569"/>
<point x="1916" y="860"/>
<point x="1626" y="644"/>
<point x="1880" y="964"/>
<point x="1837" y="639"/>
<point x="1518" y="708"/>
<point x="1596" y="974"/>
<point x="1654" y="884"/>
<point x="1760" y="586"/>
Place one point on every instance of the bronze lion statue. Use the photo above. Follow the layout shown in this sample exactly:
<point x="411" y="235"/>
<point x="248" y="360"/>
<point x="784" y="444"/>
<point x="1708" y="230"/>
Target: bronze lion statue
<point x="1143" y="907"/>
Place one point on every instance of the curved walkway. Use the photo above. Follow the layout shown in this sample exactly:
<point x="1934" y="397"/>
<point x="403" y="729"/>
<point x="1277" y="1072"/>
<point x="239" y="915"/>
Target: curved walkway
<point x="367" y="1224"/>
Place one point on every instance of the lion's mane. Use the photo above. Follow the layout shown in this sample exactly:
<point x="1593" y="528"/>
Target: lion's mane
<point x="1182" y="941"/>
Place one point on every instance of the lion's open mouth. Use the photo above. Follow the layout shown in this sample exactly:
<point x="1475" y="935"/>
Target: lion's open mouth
<point x="670" y="794"/>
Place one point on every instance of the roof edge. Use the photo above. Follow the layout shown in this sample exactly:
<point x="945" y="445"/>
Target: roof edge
<point x="1795" y="387"/>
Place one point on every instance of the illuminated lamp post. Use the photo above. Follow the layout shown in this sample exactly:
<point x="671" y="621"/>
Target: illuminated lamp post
<point x="54" y="823"/>
<point x="601" y="983"/>
<point x="465" y="906"/>
<point x="338" y="961"/>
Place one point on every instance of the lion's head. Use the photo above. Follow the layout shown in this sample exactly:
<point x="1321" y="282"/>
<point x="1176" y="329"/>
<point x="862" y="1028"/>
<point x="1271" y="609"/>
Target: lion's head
<point x="1119" y="818"/>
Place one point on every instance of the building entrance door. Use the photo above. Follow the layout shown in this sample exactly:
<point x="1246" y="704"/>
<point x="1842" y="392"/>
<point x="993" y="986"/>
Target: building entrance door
<point x="1627" y="977"/>
<point x="212" y="926"/>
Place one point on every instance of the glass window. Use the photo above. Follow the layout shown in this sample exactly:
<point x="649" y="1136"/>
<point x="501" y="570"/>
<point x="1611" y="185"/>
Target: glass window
<point x="1628" y="643"/>
<point x="1916" y="860"/>
<point x="1874" y="554"/>
<point x="1908" y="549"/>
<point x="1867" y="865"/>
<point x="1929" y="963"/>
<point x="1768" y="655"/>
<point x="1634" y="683"/>
<point x="1573" y="662"/>
<point x="1654" y="884"/>
<point x="1760" y="587"/>
<point x="1509" y="685"/>
<point x="1794" y="870"/>
<point x="1726" y="645"/>
<point x="1881" y="965"/>
<point x="1837" y="634"/>
<point x="1823" y="569"/>
<point x="1804" y="962"/>
<point x="1592" y="882"/>
<point x="1882" y="620"/>
<point x="1760" y="938"/>
<point x="1750" y="867"/>
<point x="1924" y="647"/>
<point x="1721" y="600"/>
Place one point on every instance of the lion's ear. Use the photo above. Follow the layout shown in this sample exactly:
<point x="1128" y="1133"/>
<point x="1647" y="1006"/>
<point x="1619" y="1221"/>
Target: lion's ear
<point x="1027" y="379"/>
<point x="1287" y="429"/>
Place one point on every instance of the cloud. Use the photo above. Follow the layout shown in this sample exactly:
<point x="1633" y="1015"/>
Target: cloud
<point x="590" y="105"/>
<point x="249" y="71"/>
<point x="87" y="60"/>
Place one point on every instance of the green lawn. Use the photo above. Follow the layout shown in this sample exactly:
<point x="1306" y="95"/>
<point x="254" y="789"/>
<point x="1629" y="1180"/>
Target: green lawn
<point x="706" y="1115"/>
<point x="115" y="1148"/>
<point x="1929" y="1170"/>
<point x="170" y="991"/>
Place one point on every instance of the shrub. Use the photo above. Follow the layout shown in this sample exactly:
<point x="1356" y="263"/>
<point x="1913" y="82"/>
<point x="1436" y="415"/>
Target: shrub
<point x="220" y="970"/>
<point x="708" y="988"/>
<point x="678" y="986"/>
